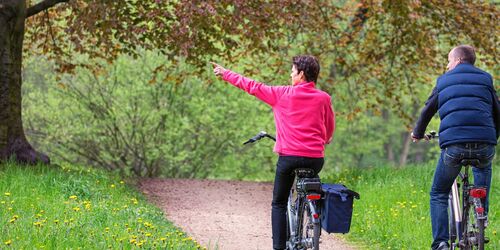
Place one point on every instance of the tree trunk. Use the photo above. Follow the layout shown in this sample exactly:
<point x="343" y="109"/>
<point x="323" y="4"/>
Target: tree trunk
<point x="388" y="145"/>
<point x="419" y="154"/>
<point x="13" y="142"/>
<point x="405" y="150"/>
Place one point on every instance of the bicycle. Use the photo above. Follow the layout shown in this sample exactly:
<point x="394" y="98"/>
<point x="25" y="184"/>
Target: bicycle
<point x="466" y="225"/>
<point x="303" y="213"/>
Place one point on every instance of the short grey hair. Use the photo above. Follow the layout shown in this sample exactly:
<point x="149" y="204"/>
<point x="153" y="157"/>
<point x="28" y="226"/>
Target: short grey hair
<point x="465" y="53"/>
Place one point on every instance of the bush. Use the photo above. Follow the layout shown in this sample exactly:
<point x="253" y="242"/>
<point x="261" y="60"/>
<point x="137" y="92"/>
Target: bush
<point x="143" y="117"/>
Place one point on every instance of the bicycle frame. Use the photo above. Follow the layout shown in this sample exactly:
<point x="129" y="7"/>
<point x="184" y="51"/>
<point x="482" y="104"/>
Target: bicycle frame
<point x="470" y="233"/>
<point x="305" y="203"/>
<point x="460" y="212"/>
<point x="296" y="209"/>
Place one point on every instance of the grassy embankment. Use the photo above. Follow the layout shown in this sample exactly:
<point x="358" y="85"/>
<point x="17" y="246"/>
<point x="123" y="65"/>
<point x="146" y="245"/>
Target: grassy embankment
<point x="47" y="207"/>
<point x="393" y="212"/>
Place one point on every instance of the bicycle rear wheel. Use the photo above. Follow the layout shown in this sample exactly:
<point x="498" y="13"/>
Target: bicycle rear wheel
<point x="473" y="231"/>
<point x="291" y="220"/>
<point x="312" y="231"/>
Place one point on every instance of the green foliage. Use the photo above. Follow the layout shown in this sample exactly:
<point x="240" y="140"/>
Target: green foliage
<point x="149" y="117"/>
<point x="72" y="207"/>
<point x="177" y="124"/>
<point x="393" y="212"/>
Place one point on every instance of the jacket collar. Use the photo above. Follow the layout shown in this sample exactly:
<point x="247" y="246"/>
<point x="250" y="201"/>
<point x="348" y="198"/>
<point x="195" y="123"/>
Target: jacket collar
<point x="306" y="84"/>
<point x="461" y="67"/>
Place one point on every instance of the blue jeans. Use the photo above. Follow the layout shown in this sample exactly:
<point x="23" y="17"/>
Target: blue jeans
<point x="283" y="182"/>
<point x="447" y="170"/>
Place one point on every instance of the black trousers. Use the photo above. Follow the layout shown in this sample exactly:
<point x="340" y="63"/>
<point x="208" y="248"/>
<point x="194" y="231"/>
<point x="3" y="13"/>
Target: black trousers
<point x="283" y="182"/>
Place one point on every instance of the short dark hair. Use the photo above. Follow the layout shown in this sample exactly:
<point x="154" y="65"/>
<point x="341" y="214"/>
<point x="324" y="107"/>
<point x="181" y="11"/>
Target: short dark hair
<point x="309" y="65"/>
<point x="466" y="53"/>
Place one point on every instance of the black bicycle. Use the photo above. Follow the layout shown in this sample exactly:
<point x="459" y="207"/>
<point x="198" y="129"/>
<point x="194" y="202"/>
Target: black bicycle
<point x="303" y="213"/>
<point x="465" y="209"/>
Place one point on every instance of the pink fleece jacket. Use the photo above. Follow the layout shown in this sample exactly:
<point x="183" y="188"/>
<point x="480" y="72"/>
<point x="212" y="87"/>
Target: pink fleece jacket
<point x="304" y="116"/>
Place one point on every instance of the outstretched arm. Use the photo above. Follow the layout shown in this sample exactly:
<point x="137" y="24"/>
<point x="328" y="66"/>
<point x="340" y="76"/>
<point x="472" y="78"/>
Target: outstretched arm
<point x="268" y="94"/>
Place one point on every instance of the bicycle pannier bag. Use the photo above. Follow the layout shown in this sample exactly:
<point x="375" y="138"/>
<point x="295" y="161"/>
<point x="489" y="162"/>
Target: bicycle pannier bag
<point x="336" y="210"/>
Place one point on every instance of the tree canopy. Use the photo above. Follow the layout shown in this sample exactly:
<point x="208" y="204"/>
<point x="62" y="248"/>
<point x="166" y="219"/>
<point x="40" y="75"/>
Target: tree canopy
<point x="382" y="52"/>
<point x="387" y="48"/>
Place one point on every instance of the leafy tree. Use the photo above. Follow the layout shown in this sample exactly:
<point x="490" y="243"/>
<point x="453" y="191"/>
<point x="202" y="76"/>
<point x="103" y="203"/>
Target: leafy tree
<point x="389" y="43"/>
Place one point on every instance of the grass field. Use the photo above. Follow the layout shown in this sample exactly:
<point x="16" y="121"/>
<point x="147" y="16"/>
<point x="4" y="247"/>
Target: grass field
<point x="393" y="212"/>
<point x="48" y="207"/>
<point x="66" y="207"/>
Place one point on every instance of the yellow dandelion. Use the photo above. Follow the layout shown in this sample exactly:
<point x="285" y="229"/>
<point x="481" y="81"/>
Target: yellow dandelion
<point x="148" y="234"/>
<point x="73" y="197"/>
<point x="8" y="243"/>
<point x="106" y="229"/>
<point x="7" y="194"/>
<point x="76" y="209"/>
<point x="122" y="182"/>
<point x="132" y="241"/>
<point x="56" y="221"/>
<point x="112" y="185"/>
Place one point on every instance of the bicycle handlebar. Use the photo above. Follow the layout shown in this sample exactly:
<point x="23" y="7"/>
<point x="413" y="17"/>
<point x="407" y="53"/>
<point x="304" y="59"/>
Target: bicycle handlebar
<point x="432" y="135"/>
<point x="259" y="136"/>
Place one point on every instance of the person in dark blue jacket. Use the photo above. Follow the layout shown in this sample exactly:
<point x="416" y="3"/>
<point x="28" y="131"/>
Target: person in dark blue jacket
<point x="469" y="111"/>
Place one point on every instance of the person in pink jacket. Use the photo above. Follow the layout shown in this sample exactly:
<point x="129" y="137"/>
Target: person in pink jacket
<point x="305" y="123"/>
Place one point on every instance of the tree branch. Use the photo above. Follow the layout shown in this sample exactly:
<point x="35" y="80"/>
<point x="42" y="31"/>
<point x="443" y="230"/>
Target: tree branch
<point x="37" y="8"/>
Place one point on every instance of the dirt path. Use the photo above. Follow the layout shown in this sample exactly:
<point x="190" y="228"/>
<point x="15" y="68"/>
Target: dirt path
<point x="221" y="214"/>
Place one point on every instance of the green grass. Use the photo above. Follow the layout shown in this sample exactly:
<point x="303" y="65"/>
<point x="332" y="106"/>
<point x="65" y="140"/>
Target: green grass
<point x="393" y="212"/>
<point x="52" y="207"/>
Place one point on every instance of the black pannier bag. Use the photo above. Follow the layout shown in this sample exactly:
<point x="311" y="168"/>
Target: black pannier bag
<point x="336" y="210"/>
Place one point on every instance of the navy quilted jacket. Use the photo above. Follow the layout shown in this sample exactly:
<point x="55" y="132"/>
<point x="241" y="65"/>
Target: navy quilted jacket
<point x="467" y="105"/>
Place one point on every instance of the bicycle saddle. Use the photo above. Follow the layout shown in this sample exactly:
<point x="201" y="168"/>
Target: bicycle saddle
<point x="304" y="173"/>
<point x="470" y="162"/>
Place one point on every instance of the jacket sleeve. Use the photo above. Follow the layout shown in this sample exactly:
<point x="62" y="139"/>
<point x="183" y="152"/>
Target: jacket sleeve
<point x="329" y="123"/>
<point x="268" y="94"/>
<point x="496" y="112"/>
<point x="430" y="108"/>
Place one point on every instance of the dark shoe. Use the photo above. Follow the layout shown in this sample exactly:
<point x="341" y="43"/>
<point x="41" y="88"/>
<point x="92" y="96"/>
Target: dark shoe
<point x="443" y="246"/>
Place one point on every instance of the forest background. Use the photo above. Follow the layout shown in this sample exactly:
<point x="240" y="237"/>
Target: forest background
<point x="157" y="109"/>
